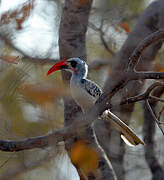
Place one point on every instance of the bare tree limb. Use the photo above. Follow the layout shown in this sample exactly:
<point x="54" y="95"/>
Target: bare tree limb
<point x="147" y="75"/>
<point x="154" y="117"/>
<point x="103" y="39"/>
<point x="143" y="96"/>
<point x="43" y="141"/>
<point x="72" y="43"/>
<point x="156" y="99"/>
<point x="150" y="21"/>
<point x="66" y="133"/>
<point x="149" y="132"/>
<point x="152" y="38"/>
<point x="102" y="34"/>
<point x="160" y="113"/>
<point x="37" y="142"/>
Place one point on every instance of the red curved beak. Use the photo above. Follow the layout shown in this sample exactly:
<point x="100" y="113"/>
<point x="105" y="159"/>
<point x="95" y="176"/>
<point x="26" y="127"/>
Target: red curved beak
<point x="58" y="66"/>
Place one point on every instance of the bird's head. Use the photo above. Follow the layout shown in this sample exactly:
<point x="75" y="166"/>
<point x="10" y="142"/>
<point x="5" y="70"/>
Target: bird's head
<point x="74" y="65"/>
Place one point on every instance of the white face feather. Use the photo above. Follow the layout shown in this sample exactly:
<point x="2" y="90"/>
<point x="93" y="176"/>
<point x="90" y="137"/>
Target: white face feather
<point x="80" y="67"/>
<point x="86" y="73"/>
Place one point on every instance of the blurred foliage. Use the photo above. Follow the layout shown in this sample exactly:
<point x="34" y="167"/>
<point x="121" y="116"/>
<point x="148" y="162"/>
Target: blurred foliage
<point x="16" y="92"/>
<point x="21" y="85"/>
<point x="84" y="157"/>
<point x="10" y="59"/>
<point x="19" y="16"/>
<point x="134" y="6"/>
<point x="125" y="27"/>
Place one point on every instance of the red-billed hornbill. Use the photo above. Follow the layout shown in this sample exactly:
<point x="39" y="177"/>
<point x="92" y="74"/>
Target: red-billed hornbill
<point x="85" y="92"/>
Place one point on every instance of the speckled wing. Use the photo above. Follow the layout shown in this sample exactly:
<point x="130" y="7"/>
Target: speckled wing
<point x="92" y="88"/>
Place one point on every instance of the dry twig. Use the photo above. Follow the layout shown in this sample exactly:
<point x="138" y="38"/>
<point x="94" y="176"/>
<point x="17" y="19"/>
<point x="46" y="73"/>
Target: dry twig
<point x="82" y="122"/>
<point x="154" y="117"/>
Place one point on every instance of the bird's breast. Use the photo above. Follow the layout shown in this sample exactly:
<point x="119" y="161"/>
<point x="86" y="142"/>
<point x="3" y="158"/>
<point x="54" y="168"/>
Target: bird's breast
<point x="81" y="96"/>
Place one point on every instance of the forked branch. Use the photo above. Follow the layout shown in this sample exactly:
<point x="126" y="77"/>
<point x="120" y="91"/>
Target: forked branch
<point x="85" y="120"/>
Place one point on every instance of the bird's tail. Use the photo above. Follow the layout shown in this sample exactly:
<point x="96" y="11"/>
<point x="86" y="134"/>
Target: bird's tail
<point x="127" y="134"/>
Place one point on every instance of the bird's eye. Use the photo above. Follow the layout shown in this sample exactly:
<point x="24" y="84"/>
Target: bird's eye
<point x="73" y="64"/>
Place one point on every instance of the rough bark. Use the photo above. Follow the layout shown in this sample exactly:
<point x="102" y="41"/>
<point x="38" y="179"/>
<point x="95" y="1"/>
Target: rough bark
<point x="150" y="21"/>
<point x="72" y="31"/>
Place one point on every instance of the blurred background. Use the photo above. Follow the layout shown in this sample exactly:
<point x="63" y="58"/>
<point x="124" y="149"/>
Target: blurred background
<point x="31" y="104"/>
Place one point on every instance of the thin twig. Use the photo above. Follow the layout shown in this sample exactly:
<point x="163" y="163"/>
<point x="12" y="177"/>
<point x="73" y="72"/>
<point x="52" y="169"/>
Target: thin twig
<point x="154" y="98"/>
<point x="153" y="115"/>
<point x="140" y="97"/>
<point x="103" y="40"/>
<point x="7" y="160"/>
<point x="100" y="30"/>
<point x="160" y="113"/>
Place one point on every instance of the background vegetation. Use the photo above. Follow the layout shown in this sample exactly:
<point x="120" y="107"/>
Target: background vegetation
<point x="31" y="104"/>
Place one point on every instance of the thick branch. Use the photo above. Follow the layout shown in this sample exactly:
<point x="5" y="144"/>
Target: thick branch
<point x="43" y="141"/>
<point x="65" y="133"/>
<point x="72" y="44"/>
<point x="154" y="37"/>
<point x="37" y="142"/>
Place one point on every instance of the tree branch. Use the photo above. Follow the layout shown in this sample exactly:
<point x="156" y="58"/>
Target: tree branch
<point x="154" y="117"/>
<point x="100" y="30"/>
<point x="152" y="38"/>
<point x="145" y="95"/>
<point x="101" y="104"/>
<point x="156" y="99"/>
<point x="147" y="75"/>
<point x="149" y="132"/>
<point x="37" y="142"/>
